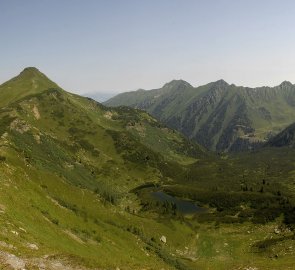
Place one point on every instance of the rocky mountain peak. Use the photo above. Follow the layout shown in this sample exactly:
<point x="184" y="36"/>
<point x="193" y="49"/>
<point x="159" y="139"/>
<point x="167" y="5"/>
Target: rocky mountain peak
<point x="177" y="83"/>
<point x="221" y="83"/>
<point x="285" y="84"/>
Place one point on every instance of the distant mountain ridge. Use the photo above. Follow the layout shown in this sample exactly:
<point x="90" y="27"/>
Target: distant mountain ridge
<point x="219" y="116"/>
<point x="100" y="96"/>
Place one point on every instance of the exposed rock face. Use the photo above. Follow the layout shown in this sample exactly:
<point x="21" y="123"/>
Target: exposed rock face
<point x="219" y="116"/>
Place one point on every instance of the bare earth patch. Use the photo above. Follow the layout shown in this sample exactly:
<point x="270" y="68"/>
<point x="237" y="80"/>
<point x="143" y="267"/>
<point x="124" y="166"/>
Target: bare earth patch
<point x="109" y="115"/>
<point x="13" y="262"/>
<point x="36" y="112"/>
<point x="19" y="126"/>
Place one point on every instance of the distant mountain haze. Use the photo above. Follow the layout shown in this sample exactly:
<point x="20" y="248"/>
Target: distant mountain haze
<point x="100" y="96"/>
<point x="219" y="116"/>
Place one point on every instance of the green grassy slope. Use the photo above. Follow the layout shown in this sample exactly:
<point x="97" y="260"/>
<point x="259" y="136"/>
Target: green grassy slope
<point x="76" y="182"/>
<point x="30" y="81"/>
<point x="284" y="138"/>
<point x="250" y="197"/>
<point x="67" y="166"/>
<point x="219" y="116"/>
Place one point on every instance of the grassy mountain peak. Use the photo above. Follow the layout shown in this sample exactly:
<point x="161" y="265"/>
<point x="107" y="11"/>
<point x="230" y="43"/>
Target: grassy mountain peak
<point x="31" y="70"/>
<point x="30" y="81"/>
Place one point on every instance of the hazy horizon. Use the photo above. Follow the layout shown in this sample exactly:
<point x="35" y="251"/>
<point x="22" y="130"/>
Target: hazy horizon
<point x="112" y="46"/>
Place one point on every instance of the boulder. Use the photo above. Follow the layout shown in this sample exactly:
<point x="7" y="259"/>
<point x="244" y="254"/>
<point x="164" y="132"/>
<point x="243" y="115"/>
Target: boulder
<point x="163" y="239"/>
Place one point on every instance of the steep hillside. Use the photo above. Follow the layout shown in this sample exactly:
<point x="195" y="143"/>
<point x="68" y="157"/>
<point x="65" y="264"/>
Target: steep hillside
<point x="284" y="138"/>
<point x="67" y="166"/>
<point x="219" y="116"/>
<point x="84" y="186"/>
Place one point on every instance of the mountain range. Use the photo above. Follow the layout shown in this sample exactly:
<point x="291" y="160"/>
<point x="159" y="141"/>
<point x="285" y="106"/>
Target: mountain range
<point x="219" y="116"/>
<point x="85" y="186"/>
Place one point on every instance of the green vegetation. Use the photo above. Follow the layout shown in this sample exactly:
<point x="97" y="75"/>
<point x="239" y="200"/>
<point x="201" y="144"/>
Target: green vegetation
<point x="284" y="138"/>
<point x="219" y="116"/>
<point x="77" y="179"/>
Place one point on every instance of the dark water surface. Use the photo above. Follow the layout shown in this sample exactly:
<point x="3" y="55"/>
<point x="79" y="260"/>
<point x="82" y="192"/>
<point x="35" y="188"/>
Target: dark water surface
<point x="183" y="206"/>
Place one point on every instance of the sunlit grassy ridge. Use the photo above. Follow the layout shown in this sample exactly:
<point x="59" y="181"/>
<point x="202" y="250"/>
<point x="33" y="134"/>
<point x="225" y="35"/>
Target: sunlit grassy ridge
<point x="67" y="166"/>
<point x="30" y="81"/>
<point x="76" y="178"/>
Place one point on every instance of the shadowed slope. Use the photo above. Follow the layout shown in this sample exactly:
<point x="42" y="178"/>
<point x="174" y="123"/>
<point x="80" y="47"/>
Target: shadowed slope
<point x="219" y="116"/>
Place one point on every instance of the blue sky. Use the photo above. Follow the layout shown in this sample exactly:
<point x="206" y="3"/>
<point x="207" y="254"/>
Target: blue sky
<point x="112" y="46"/>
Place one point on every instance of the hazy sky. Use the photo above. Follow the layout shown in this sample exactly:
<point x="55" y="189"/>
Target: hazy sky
<point x="111" y="46"/>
